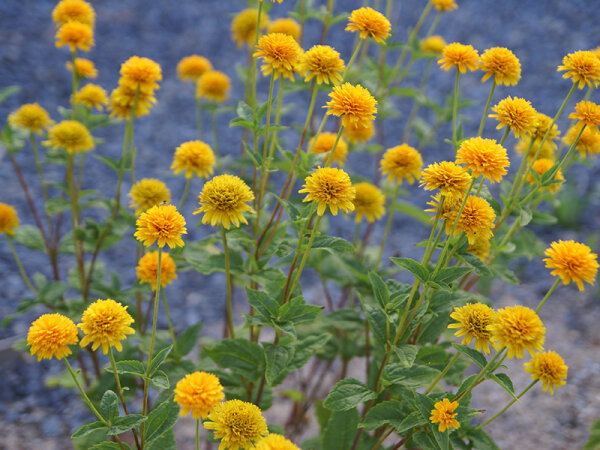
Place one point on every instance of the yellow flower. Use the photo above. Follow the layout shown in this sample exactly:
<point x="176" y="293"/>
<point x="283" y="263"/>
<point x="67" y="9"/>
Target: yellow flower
<point x="73" y="11"/>
<point x="238" y="424"/>
<point x="548" y="367"/>
<point x="162" y="223"/>
<point x="587" y="113"/>
<point x="323" y="143"/>
<point x="358" y="133"/>
<point x="448" y="177"/>
<point x="517" y="328"/>
<point x="243" y="26"/>
<point x="541" y="166"/>
<point x="323" y="63"/>
<point x="369" y="22"/>
<point x="280" y="54"/>
<point x="464" y="57"/>
<point x="588" y="143"/>
<point x="547" y="150"/>
<point x="473" y="320"/>
<point x="542" y="125"/>
<point x="502" y="64"/>
<point x="147" y="269"/>
<point x="71" y="135"/>
<point x="105" y="323"/>
<point x="287" y="26"/>
<point x="354" y="103"/>
<point x="213" y="85"/>
<point x="572" y="261"/>
<point x="147" y="193"/>
<point x="123" y="99"/>
<point x="9" y="220"/>
<point x="142" y="73"/>
<point x="432" y="44"/>
<point x="369" y="202"/>
<point x="31" y="117"/>
<point x="198" y="392"/>
<point x="444" y="415"/>
<point x="329" y="187"/>
<point x="402" y="162"/>
<point x="582" y="67"/>
<point x="517" y="114"/>
<point x="451" y="202"/>
<point x="193" y="157"/>
<point x="444" y="5"/>
<point x="50" y="335"/>
<point x="193" y="67"/>
<point x="92" y="96"/>
<point x="483" y="157"/>
<point x="75" y="35"/>
<point x="223" y="200"/>
<point x="275" y="442"/>
<point x="480" y="248"/>
<point x="476" y="220"/>
<point x="84" y="68"/>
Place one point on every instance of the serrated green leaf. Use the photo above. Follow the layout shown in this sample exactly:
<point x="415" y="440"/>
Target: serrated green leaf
<point x="477" y="264"/>
<point x="593" y="442"/>
<point x="125" y="423"/>
<point x="30" y="237"/>
<point x="109" y="406"/>
<point x="244" y="111"/>
<point x="88" y="428"/>
<point x="160" y="420"/>
<point x="348" y="393"/>
<point x="131" y="367"/>
<point x="405" y="354"/>
<point x="57" y="205"/>
<point x="265" y="306"/>
<point x="110" y="446"/>
<point x="159" y="358"/>
<point x="187" y="339"/>
<point x="240" y="356"/>
<point x="340" y="430"/>
<point x="476" y="356"/>
<point x="333" y="244"/>
<point x="380" y="290"/>
<point x="278" y="359"/>
<point x="414" y="377"/>
<point x="297" y="311"/>
<point x="410" y="422"/>
<point x="504" y="381"/>
<point x="451" y="274"/>
<point x="383" y="413"/>
<point x="419" y="271"/>
<point x="160" y="380"/>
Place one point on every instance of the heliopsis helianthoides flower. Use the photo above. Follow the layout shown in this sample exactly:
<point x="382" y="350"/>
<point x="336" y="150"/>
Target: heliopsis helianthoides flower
<point x="323" y="63"/>
<point x="161" y="223"/>
<point x="444" y="5"/>
<point x="147" y="269"/>
<point x="105" y="323"/>
<point x="517" y="114"/>
<point x="547" y="151"/>
<point x="480" y="248"/>
<point x="448" y="177"/>
<point x="92" y="96"/>
<point x="280" y="54"/>
<point x="402" y="162"/>
<point x="463" y="57"/>
<point x="193" y="157"/>
<point x="369" y="202"/>
<point x="331" y="187"/>
<point x="73" y="11"/>
<point x="243" y="26"/>
<point x="549" y="368"/>
<point x="323" y="143"/>
<point x="542" y="125"/>
<point x="287" y="26"/>
<point x="369" y="22"/>
<point x="193" y="67"/>
<point x="451" y="202"/>
<point x="84" y="68"/>
<point x="587" y="113"/>
<point x="275" y="442"/>
<point x="223" y="201"/>
<point x="198" y="392"/>
<point x="147" y="193"/>
<point x="443" y="413"/>
<point x="583" y="67"/>
<point x="213" y="85"/>
<point x="355" y="104"/>
<point x="483" y="157"/>
<point x="237" y="424"/>
<point x="76" y="35"/>
<point x="31" y="117"/>
<point x="472" y="323"/>
<point x="502" y="64"/>
<point x="139" y="72"/>
<point x="572" y="261"/>
<point x="588" y="143"/>
<point x="123" y="99"/>
<point x="476" y="220"/>
<point x="517" y="328"/>
<point x="9" y="220"/>
<point x="50" y="335"/>
<point x="71" y="135"/>
<point x="358" y="133"/>
<point x="541" y="166"/>
<point x="432" y="44"/>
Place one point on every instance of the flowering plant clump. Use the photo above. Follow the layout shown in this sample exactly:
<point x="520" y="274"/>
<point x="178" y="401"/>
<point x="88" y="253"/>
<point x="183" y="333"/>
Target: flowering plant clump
<point x="274" y="223"/>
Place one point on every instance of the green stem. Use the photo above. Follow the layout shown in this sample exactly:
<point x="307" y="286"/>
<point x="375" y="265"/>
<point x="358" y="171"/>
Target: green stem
<point x="487" y="108"/>
<point x="198" y="109"/>
<point x="74" y="84"/>
<point x="548" y="294"/>
<point x="215" y="134"/>
<point x="38" y="166"/>
<point x="82" y="392"/>
<point x="512" y="402"/>
<point x="481" y="374"/>
<point x="387" y="226"/>
<point x="152" y="339"/>
<point x="197" y="434"/>
<point x="20" y="266"/>
<point x="229" y="286"/>
<point x="126" y="139"/>
<point x="329" y="158"/>
<point x="186" y="189"/>
<point x="265" y="151"/>
<point x="442" y="373"/>
<point x="171" y="329"/>
<point x="74" y="223"/>
<point x="305" y="255"/>
<point x="455" y="109"/>
<point x="429" y="249"/>
<point x="352" y="58"/>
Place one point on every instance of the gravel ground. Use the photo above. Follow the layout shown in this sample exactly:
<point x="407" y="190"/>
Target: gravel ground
<point x="540" y="33"/>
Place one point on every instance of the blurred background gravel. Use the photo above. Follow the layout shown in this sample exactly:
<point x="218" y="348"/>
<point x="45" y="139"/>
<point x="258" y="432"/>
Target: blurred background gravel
<point x="540" y="33"/>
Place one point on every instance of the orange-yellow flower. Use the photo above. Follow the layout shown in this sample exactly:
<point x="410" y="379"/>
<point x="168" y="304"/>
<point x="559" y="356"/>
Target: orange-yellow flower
<point x="518" y="328"/>
<point x="195" y="157"/>
<point x="275" y="442"/>
<point x="483" y="157"/>
<point x="123" y="99"/>
<point x="161" y="223"/>
<point x="541" y="166"/>
<point x="323" y="63"/>
<point x="84" y="68"/>
<point x="147" y="193"/>
<point x="355" y="104"/>
<point x="73" y="11"/>
<point x="287" y="26"/>
<point x="140" y="73"/>
<point x="588" y="143"/>
<point x="198" y="392"/>
<point x="31" y="117"/>
<point x="369" y="22"/>
<point x="331" y="187"/>
<point x="147" y="269"/>
<point x="71" y="135"/>
<point x="542" y="125"/>
<point x="243" y="26"/>
<point x="502" y="64"/>
<point x="402" y="162"/>
<point x="583" y="67"/>
<point x="223" y="200"/>
<point x="443" y="413"/>
<point x="448" y="177"/>
<point x="105" y="323"/>
<point x="237" y="423"/>
<point x="193" y="67"/>
<point x="280" y="54"/>
<point x="517" y="114"/>
<point x="432" y="44"/>
<point x="213" y="85"/>
<point x="463" y="57"/>
<point x="444" y="5"/>
<point x="481" y="247"/>
<point x="92" y="96"/>
<point x="50" y="335"/>
<point x="476" y="220"/>
<point x="369" y="202"/>
<point x="9" y="220"/>
<point x="76" y="35"/>
<point x="358" y="133"/>
<point x="587" y="113"/>
<point x="548" y="367"/>
<point x="472" y="323"/>
<point x="324" y="142"/>
<point x="572" y="261"/>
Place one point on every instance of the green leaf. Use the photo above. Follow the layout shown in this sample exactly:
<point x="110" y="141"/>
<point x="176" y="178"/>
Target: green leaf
<point x="113" y="163"/>
<point x="340" y="430"/>
<point x="298" y="311"/>
<point x="380" y="290"/>
<point x="348" y="393"/>
<point x="7" y="91"/>
<point x="109" y="406"/>
<point x="411" y="210"/>
<point x="481" y="440"/>
<point x="244" y="111"/>
<point x="131" y="367"/>
<point x="504" y="382"/>
<point x="160" y="420"/>
<point x="278" y="359"/>
<point x="414" y="377"/>
<point x="187" y="339"/>
<point x="160" y="380"/>
<point x="405" y="354"/>
<point x="378" y="323"/>
<point x="88" y="428"/>
<point x="125" y="423"/>
<point x="306" y="348"/>
<point x="333" y="244"/>
<point x="57" y="205"/>
<point x="413" y="420"/>
<point x="165" y="441"/>
<point x="450" y="274"/>
<point x="265" y="306"/>
<point x="109" y="446"/>
<point x="419" y="271"/>
<point x="53" y="291"/>
<point x="383" y="413"/>
<point x="159" y="359"/>
<point x="476" y="356"/>
<point x="240" y="356"/>
<point x="476" y="264"/>
<point x="525" y="215"/>
<point x="505" y="273"/>
<point x="30" y="236"/>
<point x="593" y="442"/>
